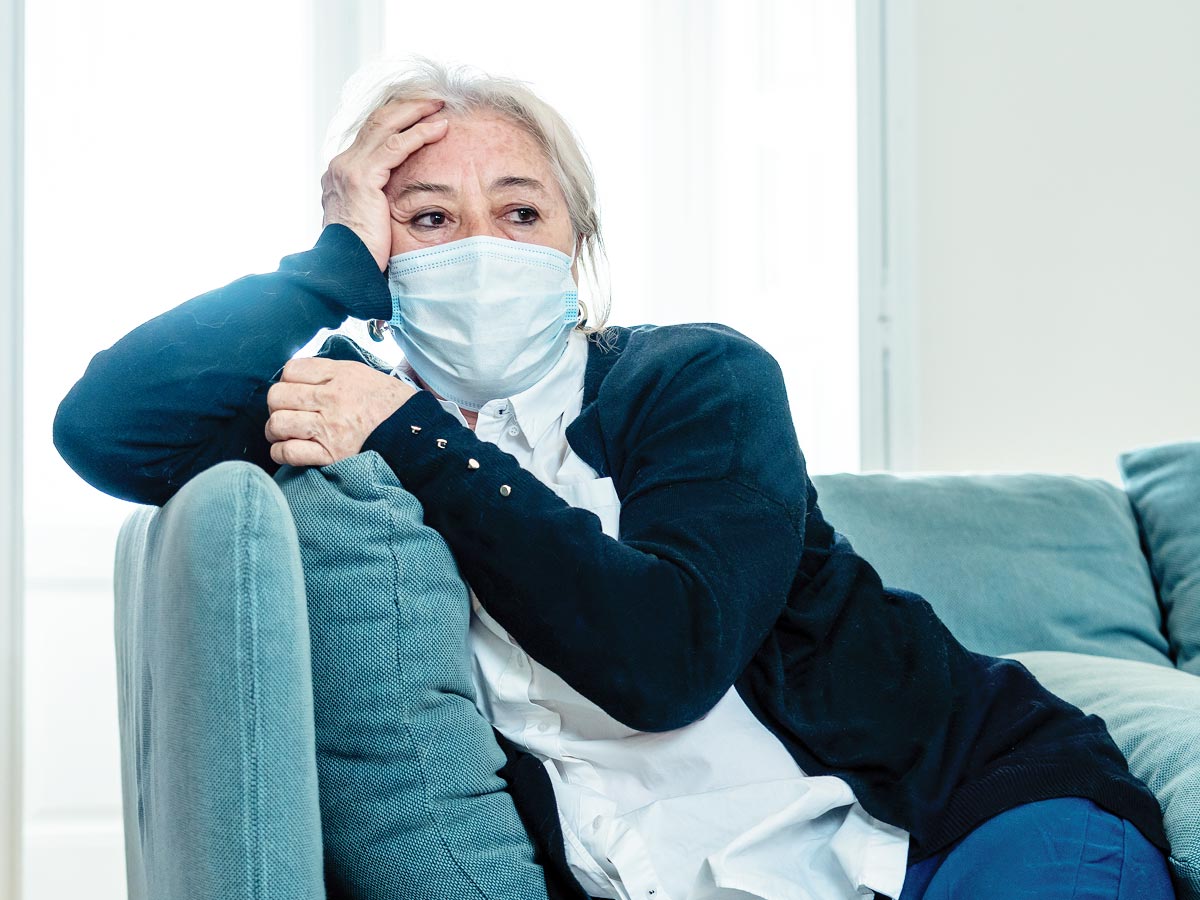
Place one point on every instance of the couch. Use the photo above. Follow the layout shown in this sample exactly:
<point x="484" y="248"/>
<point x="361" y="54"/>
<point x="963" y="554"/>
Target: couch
<point x="1094" y="588"/>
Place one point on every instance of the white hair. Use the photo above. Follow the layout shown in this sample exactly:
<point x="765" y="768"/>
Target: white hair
<point x="465" y="89"/>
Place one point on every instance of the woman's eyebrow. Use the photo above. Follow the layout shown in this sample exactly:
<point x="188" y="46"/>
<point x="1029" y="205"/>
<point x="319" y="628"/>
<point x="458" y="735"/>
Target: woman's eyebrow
<point x="425" y="187"/>
<point x="519" y="181"/>
<point x="506" y="181"/>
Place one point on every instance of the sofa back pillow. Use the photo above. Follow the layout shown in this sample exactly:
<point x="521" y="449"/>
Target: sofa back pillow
<point x="412" y="804"/>
<point x="1164" y="484"/>
<point x="1010" y="562"/>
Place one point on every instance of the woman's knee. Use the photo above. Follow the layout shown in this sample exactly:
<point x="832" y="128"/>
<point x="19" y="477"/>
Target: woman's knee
<point x="1062" y="848"/>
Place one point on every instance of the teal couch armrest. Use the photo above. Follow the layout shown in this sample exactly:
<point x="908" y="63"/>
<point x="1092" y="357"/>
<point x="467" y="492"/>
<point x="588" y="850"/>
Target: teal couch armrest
<point x="218" y="759"/>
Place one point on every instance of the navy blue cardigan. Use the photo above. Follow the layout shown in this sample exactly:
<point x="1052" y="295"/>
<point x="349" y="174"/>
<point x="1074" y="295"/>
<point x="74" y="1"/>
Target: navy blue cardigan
<point x="726" y="573"/>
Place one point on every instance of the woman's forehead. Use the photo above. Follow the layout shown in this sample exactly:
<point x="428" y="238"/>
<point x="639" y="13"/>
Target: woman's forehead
<point x="483" y="147"/>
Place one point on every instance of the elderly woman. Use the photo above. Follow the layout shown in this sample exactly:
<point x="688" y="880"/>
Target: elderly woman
<point x="729" y="703"/>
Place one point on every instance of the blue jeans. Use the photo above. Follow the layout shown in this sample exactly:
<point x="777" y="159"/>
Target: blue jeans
<point x="1062" y="849"/>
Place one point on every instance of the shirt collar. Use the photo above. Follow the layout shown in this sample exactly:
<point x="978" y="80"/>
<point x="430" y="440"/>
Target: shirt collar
<point x="541" y="403"/>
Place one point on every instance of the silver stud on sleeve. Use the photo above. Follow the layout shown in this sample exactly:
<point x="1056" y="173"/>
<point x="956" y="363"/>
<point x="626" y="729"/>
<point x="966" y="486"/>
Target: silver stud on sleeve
<point x="472" y="463"/>
<point x="441" y="442"/>
<point x="505" y="490"/>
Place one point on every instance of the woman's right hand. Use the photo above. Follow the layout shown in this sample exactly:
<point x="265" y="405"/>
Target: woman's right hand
<point x="352" y="186"/>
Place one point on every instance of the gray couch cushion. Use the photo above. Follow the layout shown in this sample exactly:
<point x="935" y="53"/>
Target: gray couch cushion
<point x="1009" y="562"/>
<point x="218" y="756"/>
<point x="1153" y="714"/>
<point x="1164" y="484"/>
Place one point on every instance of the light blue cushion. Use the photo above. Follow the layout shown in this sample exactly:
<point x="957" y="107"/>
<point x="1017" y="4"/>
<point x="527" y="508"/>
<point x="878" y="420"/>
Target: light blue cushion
<point x="1009" y="562"/>
<point x="1153" y="714"/>
<point x="218" y="756"/>
<point x="1164" y="484"/>
<point x="411" y="802"/>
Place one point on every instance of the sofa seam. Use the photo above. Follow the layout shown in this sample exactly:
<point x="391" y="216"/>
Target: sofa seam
<point x="1186" y="865"/>
<point x="247" y="644"/>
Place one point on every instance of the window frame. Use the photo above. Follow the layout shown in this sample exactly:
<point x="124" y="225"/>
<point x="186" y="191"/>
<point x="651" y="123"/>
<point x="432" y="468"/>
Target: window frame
<point x="12" y="551"/>
<point x="887" y="238"/>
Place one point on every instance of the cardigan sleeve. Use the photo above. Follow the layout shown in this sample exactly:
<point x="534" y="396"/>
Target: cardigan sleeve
<point x="187" y="389"/>
<point x="653" y="627"/>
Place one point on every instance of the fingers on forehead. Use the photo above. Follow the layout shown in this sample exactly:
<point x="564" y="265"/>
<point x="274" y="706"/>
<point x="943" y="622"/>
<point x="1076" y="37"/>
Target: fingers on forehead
<point x="401" y="113"/>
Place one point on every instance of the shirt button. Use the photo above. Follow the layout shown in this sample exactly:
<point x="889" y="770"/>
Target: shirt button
<point x="543" y="727"/>
<point x="514" y="430"/>
<point x="597" y="822"/>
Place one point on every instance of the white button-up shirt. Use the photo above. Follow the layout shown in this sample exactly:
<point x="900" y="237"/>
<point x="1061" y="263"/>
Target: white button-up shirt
<point x="716" y="810"/>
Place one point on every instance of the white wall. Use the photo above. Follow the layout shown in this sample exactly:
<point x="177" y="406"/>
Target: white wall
<point x="1056" y="207"/>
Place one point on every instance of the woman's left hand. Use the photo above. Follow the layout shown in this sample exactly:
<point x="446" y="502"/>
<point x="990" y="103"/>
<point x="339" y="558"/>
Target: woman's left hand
<point x="322" y="410"/>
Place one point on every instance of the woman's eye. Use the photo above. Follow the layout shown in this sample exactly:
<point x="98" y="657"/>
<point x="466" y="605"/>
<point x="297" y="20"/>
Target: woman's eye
<point x="432" y="219"/>
<point x="523" y="215"/>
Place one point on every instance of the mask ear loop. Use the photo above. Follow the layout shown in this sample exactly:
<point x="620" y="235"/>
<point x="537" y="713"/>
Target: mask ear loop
<point x="582" y="318"/>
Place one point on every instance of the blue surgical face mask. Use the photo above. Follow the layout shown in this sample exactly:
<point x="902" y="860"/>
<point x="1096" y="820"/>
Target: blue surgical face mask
<point x="482" y="318"/>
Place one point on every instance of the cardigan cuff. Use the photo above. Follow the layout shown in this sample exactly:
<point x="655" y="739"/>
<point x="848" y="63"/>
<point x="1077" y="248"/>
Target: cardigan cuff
<point x="342" y="272"/>
<point x="411" y="428"/>
<point x="444" y="462"/>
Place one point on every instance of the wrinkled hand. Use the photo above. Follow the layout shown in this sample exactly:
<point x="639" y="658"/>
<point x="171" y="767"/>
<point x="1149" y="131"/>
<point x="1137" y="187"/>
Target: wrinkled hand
<point x="322" y="410"/>
<point x="352" y="186"/>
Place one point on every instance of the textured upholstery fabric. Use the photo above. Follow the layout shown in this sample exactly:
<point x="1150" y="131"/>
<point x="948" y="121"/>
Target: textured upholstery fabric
<point x="1153" y="714"/>
<point x="1164" y="484"/>
<point x="411" y="802"/>
<point x="1008" y="562"/>
<point x="218" y="759"/>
